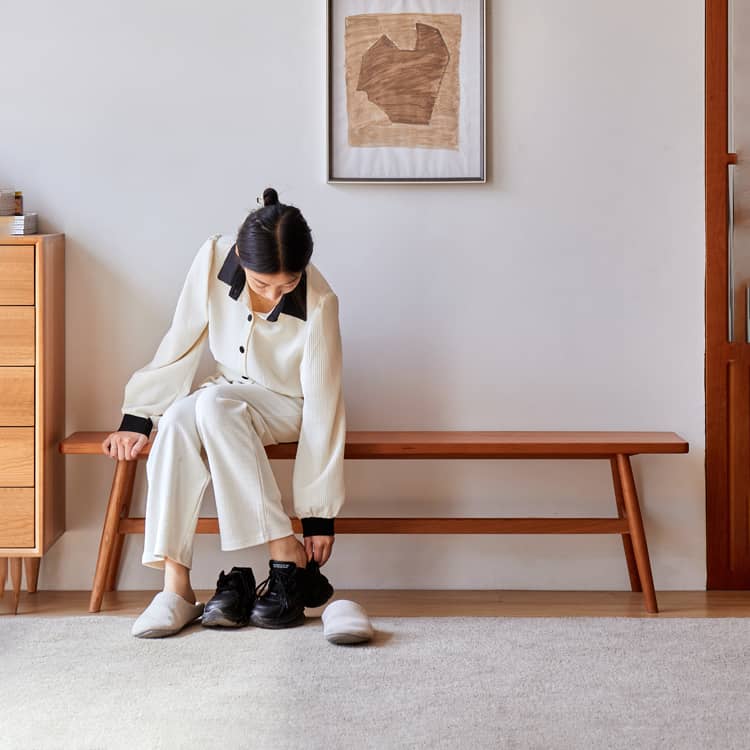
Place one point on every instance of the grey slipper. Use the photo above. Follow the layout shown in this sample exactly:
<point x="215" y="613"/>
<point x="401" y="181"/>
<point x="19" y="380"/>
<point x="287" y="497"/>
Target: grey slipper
<point x="167" y="614"/>
<point x="345" y="621"/>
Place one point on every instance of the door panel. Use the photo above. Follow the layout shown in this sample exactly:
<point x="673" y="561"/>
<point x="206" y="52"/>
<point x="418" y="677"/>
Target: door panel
<point x="727" y="284"/>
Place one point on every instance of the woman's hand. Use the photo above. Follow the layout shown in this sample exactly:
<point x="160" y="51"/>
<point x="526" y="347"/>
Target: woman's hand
<point x="124" y="445"/>
<point x="319" y="548"/>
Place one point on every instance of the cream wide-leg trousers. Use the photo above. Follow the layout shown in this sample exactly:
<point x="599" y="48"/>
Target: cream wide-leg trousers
<point x="217" y="433"/>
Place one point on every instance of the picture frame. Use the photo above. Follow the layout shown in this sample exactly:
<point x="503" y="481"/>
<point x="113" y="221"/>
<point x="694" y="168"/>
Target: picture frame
<point x="406" y="91"/>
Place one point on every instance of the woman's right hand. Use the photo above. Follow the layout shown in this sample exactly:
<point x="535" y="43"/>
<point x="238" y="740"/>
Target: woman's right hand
<point x="124" y="445"/>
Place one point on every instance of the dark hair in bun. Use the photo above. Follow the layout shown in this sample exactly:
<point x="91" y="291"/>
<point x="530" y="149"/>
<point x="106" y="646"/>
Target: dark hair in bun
<point x="274" y="238"/>
<point x="270" y="197"/>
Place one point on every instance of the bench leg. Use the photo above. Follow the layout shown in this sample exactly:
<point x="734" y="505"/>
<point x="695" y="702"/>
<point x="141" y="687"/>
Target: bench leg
<point x="122" y="487"/>
<point x="637" y="533"/>
<point x="114" y="565"/>
<point x="627" y="542"/>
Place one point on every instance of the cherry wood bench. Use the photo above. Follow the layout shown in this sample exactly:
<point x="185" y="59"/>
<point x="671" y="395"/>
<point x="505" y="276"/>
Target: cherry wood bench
<point x="615" y="447"/>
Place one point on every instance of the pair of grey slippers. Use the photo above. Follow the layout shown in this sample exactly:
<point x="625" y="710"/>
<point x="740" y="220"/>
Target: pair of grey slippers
<point x="344" y="621"/>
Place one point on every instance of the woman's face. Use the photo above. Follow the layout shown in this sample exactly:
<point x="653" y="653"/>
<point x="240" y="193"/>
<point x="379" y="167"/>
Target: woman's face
<point x="271" y="286"/>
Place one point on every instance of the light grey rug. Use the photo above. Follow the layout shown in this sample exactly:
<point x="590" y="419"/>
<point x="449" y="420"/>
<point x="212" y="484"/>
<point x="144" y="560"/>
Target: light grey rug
<point x="473" y="682"/>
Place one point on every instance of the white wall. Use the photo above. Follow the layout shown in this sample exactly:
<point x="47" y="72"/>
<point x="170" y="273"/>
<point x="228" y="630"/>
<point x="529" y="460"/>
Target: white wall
<point x="567" y="293"/>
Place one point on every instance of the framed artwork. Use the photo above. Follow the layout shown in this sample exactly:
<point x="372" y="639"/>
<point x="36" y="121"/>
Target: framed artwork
<point x="406" y="91"/>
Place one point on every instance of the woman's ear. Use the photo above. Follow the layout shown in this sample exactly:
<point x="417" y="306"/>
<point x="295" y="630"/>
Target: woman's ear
<point x="236" y="251"/>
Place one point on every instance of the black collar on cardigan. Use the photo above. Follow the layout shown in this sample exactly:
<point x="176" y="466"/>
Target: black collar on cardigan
<point x="292" y="303"/>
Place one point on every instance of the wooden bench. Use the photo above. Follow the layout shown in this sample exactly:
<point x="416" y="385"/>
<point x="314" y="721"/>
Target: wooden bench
<point x="616" y="447"/>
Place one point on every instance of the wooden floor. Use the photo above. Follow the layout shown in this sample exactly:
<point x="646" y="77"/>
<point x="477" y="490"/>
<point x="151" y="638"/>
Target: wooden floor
<point x="432" y="603"/>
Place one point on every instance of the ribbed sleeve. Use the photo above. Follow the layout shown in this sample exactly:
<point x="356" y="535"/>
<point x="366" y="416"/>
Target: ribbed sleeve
<point x="169" y="375"/>
<point x="318" y="474"/>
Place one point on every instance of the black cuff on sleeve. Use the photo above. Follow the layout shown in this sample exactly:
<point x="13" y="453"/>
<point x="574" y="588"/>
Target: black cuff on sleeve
<point x="314" y="526"/>
<point x="131" y="423"/>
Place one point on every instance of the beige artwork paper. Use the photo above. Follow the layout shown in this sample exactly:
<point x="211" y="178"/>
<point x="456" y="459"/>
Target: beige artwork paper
<point x="402" y="82"/>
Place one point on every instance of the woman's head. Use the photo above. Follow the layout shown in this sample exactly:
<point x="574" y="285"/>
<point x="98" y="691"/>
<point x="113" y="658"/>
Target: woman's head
<point x="274" y="245"/>
<point x="274" y="238"/>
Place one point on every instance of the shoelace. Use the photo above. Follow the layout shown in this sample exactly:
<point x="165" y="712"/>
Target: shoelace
<point x="278" y="583"/>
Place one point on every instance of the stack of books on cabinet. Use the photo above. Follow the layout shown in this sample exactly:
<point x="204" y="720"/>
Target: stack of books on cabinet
<point x="17" y="225"/>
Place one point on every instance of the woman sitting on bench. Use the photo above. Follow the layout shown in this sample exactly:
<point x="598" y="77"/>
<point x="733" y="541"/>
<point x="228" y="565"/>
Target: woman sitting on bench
<point x="271" y="322"/>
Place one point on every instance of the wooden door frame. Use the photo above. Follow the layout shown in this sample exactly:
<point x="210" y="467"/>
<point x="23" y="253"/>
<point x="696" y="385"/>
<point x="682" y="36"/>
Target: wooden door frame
<point x="727" y="364"/>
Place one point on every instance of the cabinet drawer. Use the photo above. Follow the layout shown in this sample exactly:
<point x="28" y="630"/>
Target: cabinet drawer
<point x="16" y="274"/>
<point x="17" y="335"/>
<point x="16" y="517"/>
<point x="16" y="456"/>
<point x="16" y="396"/>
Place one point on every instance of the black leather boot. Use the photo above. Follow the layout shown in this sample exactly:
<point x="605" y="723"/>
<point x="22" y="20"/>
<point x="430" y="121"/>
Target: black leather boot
<point x="231" y="605"/>
<point x="282" y="603"/>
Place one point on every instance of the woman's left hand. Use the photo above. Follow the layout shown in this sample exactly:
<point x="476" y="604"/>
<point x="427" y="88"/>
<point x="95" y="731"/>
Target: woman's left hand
<point x="319" y="548"/>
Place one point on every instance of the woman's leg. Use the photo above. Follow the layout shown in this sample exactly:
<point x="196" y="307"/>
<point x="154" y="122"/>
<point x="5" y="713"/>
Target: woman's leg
<point x="177" y="479"/>
<point x="235" y="422"/>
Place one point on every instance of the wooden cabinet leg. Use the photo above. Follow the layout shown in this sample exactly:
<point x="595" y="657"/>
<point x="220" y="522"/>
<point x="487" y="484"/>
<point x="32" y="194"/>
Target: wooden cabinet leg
<point x="31" y="566"/>
<point x="627" y="543"/>
<point x="637" y="533"/>
<point x="3" y="575"/>
<point x="121" y="484"/>
<point x="15" y="575"/>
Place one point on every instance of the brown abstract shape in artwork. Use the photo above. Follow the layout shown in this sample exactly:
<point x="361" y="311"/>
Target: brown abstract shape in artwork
<point x="405" y="83"/>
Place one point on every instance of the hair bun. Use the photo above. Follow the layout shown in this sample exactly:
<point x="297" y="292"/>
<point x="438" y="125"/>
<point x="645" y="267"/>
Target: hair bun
<point x="270" y="197"/>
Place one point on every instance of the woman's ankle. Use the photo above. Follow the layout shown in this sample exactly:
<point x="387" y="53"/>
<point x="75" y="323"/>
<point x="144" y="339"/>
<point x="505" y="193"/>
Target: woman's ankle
<point x="177" y="580"/>
<point x="288" y="549"/>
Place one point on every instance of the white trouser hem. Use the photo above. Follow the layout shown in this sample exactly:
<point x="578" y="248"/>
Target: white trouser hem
<point x="232" y="546"/>
<point x="158" y="561"/>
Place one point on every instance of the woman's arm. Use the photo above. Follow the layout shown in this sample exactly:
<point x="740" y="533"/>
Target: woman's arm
<point x="318" y="474"/>
<point x="169" y="374"/>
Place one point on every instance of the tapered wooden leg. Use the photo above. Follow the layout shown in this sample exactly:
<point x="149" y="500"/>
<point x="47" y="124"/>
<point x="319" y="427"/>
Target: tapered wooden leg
<point x="31" y="566"/>
<point x="637" y="533"/>
<point x="635" y="581"/>
<point x="122" y="483"/>
<point x="114" y="565"/>
<point x="3" y="575"/>
<point x="15" y="576"/>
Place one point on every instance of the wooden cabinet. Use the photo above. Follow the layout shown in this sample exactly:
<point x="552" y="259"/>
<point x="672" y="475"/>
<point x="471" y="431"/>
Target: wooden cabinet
<point x="32" y="403"/>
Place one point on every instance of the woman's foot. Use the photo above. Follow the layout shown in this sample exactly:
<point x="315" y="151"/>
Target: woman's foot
<point x="281" y="597"/>
<point x="186" y="592"/>
<point x="167" y="614"/>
